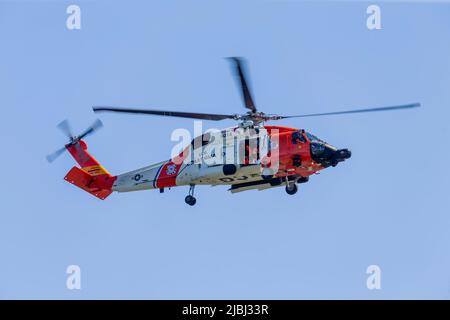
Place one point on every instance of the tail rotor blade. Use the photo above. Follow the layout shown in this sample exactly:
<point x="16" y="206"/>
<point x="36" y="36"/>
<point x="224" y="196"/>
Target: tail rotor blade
<point x="65" y="127"/>
<point x="94" y="127"/>
<point x="52" y="157"/>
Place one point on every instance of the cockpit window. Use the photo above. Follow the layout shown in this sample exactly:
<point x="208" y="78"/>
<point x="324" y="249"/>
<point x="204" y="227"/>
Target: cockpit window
<point x="312" y="137"/>
<point x="297" y="136"/>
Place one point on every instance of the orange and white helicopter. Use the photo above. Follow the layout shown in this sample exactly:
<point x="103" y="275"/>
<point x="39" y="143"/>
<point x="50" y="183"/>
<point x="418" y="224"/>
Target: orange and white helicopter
<point x="251" y="155"/>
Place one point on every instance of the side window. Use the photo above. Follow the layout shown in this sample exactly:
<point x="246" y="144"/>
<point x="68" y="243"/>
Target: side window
<point x="297" y="137"/>
<point x="201" y="141"/>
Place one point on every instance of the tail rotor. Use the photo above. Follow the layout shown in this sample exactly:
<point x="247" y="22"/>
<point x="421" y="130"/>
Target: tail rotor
<point x="65" y="127"/>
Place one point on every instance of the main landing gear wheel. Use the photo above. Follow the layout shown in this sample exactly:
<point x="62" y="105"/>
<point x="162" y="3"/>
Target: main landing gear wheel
<point x="190" y="200"/>
<point x="291" y="189"/>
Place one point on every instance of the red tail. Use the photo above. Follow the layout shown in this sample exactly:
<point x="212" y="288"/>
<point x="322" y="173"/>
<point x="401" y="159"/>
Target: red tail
<point x="92" y="177"/>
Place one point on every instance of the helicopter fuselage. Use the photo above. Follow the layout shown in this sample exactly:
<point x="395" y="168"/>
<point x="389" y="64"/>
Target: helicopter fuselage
<point x="269" y="158"/>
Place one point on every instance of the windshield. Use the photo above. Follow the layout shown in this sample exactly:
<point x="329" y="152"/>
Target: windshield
<point x="313" y="138"/>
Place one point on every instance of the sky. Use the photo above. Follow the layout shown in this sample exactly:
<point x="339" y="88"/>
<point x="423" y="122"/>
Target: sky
<point x="386" y="206"/>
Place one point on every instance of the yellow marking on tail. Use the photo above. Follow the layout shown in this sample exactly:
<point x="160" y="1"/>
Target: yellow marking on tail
<point x="95" y="170"/>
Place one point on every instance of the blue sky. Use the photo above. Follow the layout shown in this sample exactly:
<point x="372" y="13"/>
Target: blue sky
<point x="388" y="205"/>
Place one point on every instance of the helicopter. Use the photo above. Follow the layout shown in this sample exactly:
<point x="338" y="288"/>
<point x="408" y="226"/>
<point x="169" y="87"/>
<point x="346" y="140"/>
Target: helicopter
<point x="249" y="156"/>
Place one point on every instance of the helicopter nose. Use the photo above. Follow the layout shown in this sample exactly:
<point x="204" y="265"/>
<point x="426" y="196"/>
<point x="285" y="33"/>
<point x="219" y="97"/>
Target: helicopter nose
<point x="342" y="154"/>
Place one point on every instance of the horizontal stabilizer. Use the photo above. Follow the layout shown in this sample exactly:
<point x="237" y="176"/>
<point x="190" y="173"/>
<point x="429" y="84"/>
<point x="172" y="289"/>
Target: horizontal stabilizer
<point x="87" y="182"/>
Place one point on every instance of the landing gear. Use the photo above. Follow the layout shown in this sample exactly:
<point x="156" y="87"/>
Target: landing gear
<point x="302" y="180"/>
<point x="291" y="188"/>
<point x="190" y="199"/>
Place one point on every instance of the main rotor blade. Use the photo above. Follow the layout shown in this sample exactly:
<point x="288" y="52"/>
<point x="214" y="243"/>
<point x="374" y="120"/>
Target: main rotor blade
<point x="246" y="94"/>
<point x="191" y="115"/>
<point x="95" y="126"/>
<point x="406" y="106"/>
<point x="64" y="126"/>
<point x="52" y="157"/>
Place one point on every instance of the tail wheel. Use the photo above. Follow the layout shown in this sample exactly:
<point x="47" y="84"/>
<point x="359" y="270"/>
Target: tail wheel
<point x="291" y="189"/>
